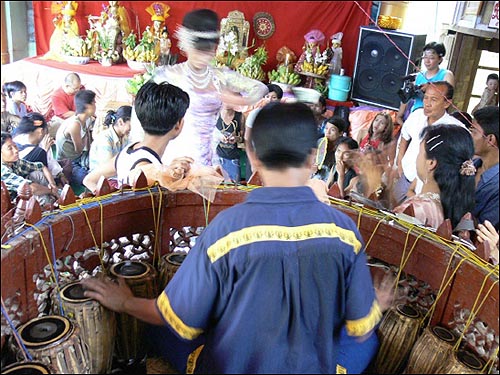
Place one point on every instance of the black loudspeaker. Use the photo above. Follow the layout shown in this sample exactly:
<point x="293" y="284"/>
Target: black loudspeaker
<point x="380" y="65"/>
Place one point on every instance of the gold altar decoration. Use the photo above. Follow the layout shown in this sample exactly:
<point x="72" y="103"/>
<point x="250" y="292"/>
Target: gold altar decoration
<point x="65" y="28"/>
<point x="233" y="43"/>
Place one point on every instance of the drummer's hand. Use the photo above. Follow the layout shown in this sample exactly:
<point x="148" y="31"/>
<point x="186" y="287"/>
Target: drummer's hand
<point x="179" y="167"/>
<point x="109" y="293"/>
<point x="384" y="289"/>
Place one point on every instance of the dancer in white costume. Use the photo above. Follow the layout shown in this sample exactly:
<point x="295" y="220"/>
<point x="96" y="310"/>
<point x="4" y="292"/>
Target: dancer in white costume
<point x="206" y="85"/>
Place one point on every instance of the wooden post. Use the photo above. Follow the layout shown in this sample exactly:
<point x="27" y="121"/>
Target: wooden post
<point x="5" y="57"/>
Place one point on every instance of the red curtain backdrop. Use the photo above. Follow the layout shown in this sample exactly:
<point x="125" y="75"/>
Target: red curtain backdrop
<point x="293" y="19"/>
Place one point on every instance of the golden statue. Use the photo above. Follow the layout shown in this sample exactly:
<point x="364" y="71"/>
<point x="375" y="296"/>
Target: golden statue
<point x="66" y="28"/>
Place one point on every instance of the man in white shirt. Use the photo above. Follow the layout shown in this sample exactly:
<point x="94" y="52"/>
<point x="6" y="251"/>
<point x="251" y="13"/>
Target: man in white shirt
<point x="437" y="99"/>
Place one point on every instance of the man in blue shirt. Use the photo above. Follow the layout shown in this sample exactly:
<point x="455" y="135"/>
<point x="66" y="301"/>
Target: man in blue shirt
<point x="484" y="132"/>
<point x="271" y="281"/>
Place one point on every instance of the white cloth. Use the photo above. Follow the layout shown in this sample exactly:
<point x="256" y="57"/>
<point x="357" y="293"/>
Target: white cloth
<point x="128" y="158"/>
<point x="410" y="131"/>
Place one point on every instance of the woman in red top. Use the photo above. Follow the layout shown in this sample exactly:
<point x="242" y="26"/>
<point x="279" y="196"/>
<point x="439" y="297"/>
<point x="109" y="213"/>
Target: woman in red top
<point x="379" y="133"/>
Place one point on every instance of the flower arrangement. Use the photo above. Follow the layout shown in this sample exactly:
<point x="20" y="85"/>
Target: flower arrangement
<point x="228" y="52"/>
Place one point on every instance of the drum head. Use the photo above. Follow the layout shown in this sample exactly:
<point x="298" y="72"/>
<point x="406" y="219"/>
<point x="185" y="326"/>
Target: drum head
<point x="408" y="311"/>
<point x="46" y="330"/>
<point x="470" y="360"/>
<point x="73" y="292"/>
<point x="176" y="258"/>
<point x="26" y="368"/>
<point x="443" y="334"/>
<point x="129" y="269"/>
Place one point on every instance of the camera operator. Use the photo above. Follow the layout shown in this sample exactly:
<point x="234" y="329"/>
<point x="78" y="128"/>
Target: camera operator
<point x="433" y="54"/>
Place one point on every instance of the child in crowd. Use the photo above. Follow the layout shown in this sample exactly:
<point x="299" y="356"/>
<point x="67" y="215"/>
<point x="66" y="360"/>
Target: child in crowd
<point x="9" y="121"/>
<point x="379" y="133"/>
<point x="344" y="174"/>
<point x="490" y="93"/>
<point x="16" y="172"/>
<point x="231" y="125"/>
<point x="15" y="93"/>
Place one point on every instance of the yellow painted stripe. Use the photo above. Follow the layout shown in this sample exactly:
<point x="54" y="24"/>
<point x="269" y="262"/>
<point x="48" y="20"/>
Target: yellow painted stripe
<point x="185" y="331"/>
<point x="262" y="233"/>
<point x="364" y="325"/>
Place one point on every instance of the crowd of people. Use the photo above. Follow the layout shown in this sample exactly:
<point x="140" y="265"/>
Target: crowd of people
<point x="190" y="114"/>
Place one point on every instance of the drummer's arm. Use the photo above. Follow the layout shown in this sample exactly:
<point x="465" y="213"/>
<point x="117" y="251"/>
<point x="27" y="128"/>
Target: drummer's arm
<point x="143" y="309"/>
<point x="118" y="297"/>
<point x="106" y="169"/>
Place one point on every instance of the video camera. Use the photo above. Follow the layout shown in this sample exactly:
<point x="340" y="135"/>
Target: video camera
<point x="409" y="89"/>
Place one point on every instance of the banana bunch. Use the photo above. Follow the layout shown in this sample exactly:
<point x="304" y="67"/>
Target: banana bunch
<point x="320" y="70"/>
<point x="313" y="68"/>
<point x="283" y="75"/>
<point x="252" y="69"/>
<point x="76" y="47"/>
<point x="145" y="56"/>
<point x="140" y="54"/>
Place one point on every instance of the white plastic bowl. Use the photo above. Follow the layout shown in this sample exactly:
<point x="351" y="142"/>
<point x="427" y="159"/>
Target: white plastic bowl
<point x="77" y="60"/>
<point x="306" y="95"/>
<point x="138" y="66"/>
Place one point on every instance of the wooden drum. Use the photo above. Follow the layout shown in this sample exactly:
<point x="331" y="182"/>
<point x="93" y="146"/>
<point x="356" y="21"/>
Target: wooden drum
<point x="397" y="334"/>
<point x="141" y="278"/>
<point x="56" y="341"/>
<point x="169" y="265"/>
<point x="462" y="362"/>
<point x="97" y="324"/>
<point x="26" y="368"/>
<point x="432" y="349"/>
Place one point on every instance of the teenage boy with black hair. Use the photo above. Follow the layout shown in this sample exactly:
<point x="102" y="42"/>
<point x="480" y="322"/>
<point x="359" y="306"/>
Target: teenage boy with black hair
<point x="160" y="109"/>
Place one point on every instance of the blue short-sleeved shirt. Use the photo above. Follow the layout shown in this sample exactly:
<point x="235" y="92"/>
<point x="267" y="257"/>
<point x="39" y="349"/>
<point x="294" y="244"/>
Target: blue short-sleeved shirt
<point x="487" y="200"/>
<point x="270" y="283"/>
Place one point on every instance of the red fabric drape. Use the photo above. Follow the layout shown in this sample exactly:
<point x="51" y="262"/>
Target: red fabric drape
<point x="293" y="19"/>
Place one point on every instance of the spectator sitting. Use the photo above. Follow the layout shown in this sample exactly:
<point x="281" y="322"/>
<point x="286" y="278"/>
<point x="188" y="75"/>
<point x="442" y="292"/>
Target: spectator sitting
<point x="484" y="131"/>
<point x="15" y="93"/>
<point x="112" y="140"/>
<point x="490" y="93"/>
<point x="444" y="164"/>
<point x="63" y="98"/>
<point x="74" y="137"/>
<point x="63" y="102"/>
<point x="324" y="168"/>
<point x="9" y="121"/>
<point x="379" y="133"/>
<point x="35" y="144"/>
<point x="15" y="172"/>
<point x="344" y="173"/>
